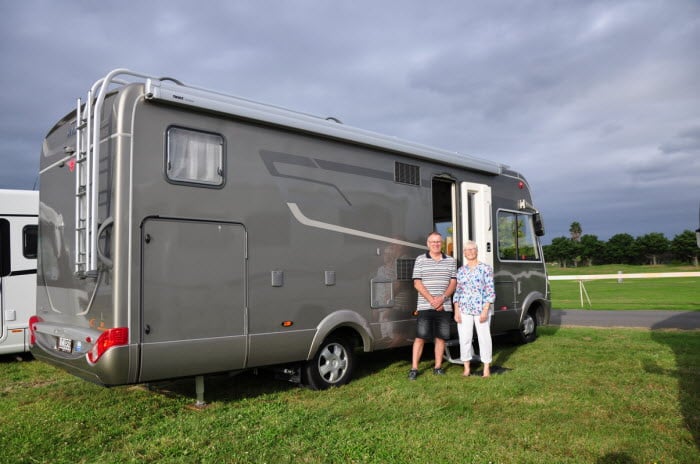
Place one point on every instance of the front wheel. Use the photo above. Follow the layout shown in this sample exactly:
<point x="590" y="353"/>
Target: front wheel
<point x="332" y="366"/>
<point x="528" y="329"/>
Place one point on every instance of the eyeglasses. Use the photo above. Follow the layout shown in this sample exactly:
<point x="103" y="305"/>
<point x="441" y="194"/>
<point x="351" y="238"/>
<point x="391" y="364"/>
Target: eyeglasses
<point x="435" y="241"/>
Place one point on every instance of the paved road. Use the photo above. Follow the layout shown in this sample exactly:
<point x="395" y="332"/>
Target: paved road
<point x="683" y="320"/>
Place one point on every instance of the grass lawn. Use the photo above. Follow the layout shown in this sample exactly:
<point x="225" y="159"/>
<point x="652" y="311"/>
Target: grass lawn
<point x="677" y="293"/>
<point x="576" y="395"/>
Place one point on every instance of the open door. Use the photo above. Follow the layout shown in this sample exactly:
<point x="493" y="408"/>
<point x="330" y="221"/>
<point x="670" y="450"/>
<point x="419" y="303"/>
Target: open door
<point x="194" y="298"/>
<point x="477" y="221"/>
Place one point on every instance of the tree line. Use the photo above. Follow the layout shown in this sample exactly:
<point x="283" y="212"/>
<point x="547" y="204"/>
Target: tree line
<point x="653" y="248"/>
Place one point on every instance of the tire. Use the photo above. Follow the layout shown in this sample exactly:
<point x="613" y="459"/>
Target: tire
<point x="331" y="366"/>
<point x="527" y="332"/>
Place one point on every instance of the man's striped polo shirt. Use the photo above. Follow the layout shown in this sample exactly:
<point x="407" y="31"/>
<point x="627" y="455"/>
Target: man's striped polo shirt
<point x="436" y="276"/>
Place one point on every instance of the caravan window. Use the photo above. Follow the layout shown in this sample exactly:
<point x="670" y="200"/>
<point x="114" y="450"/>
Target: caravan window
<point x="516" y="237"/>
<point x="29" y="241"/>
<point x="194" y="157"/>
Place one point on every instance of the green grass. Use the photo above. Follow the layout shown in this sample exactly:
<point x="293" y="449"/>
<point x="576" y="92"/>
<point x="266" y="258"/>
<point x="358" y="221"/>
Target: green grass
<point x="576" y="395"/>
<point x="676" y="293"/>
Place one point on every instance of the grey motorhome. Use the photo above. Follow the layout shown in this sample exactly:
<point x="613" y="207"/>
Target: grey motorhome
<point x="184" y="232"/>
<point x="18" y="253"/>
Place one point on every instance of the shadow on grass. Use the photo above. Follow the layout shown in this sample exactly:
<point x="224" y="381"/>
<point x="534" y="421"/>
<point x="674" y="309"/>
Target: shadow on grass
<point x="615" y="458"/>
<point x="232" y="387"/>
<point x="686" y="371"/>
<point x="16" y="357"/>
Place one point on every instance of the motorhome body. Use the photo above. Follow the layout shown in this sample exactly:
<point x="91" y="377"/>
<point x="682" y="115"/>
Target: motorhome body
<point x="18" y="252"/>
<point x="186" y="232"/>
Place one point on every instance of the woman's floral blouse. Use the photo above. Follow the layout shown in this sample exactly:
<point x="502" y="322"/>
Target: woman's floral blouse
<point x="474" y="288"/>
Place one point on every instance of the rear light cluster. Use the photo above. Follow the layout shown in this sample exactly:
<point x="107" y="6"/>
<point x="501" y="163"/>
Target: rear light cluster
<point x="109" y="338"/>
<point x="32" y="329"/>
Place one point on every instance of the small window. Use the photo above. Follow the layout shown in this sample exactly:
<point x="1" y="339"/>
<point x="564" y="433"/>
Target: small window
<point x="516" y="237"/>
<point x="29" y="241"/>
<point x="195" y="157"/>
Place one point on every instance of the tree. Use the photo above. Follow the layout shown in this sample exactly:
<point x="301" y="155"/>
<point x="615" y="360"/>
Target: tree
<point x="685" y="248"/>
<point x="652" y="245"/>
<point x="575" y="231"/>
<point x="620" y="249"/>
<point x="563" y="250"/>
<point x="592" y="249"/>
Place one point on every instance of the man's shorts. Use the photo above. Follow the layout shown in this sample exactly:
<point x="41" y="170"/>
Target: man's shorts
<point x="433" y="324"/>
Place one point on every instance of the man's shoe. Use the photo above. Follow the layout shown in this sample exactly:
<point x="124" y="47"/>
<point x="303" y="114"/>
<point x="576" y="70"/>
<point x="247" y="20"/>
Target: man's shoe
<point x="438" y="371"/>
<point x="413" y="374"/>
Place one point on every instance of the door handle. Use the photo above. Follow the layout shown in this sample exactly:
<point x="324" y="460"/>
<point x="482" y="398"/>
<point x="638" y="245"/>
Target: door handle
<point x="147" y="330"/>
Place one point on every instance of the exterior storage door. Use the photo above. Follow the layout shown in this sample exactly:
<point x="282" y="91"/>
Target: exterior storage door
<point x="194" y="298"/>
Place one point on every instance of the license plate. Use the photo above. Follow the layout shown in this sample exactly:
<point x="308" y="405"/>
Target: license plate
<point x="65" y="345"/>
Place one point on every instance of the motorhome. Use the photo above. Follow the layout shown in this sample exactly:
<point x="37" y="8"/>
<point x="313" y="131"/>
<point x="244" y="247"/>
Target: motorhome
<point x="18" y="255"/>
<point x="184" y="232"/>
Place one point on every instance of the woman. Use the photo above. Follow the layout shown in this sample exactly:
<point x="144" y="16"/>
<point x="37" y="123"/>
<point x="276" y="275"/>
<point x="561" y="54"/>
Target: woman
<point x="473" y="304"/>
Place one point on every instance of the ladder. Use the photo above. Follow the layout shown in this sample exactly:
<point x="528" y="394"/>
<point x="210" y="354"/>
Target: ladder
<point x="82" y="207"/>
<point x="87" y="180"/>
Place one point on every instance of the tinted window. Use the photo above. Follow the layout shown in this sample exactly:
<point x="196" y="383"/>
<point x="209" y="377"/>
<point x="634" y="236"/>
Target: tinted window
<point x="29" y="242"/>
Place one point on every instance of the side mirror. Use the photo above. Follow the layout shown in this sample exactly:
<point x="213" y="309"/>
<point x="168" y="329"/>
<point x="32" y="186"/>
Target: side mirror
<point x="539" y="225"/>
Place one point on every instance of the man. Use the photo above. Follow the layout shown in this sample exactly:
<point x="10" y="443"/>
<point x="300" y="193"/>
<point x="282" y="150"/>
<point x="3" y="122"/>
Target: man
<point x="435" y="279"/>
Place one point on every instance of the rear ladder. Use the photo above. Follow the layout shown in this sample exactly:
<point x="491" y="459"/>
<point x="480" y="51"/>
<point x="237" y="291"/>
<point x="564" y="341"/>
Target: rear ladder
<point x="87" y="179"/>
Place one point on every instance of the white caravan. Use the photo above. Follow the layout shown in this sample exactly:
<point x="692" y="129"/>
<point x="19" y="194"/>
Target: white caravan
<point x="18" y="244"/>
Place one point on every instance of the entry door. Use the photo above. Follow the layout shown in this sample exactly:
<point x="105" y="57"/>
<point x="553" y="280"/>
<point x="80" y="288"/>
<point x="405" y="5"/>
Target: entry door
<point x="194" y="298"/>
<point x="477" y="221"/>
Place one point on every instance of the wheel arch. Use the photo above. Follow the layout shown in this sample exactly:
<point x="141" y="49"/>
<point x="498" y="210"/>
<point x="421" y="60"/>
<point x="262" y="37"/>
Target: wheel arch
<point x="347" y="324"/>
<point x="538" y="305"/>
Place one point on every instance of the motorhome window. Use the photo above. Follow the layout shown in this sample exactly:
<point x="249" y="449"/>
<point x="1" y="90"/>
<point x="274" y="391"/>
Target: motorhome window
<point x="195" y="157"/>
<point x="516" y="237"/>
<point x="29" y="241"/>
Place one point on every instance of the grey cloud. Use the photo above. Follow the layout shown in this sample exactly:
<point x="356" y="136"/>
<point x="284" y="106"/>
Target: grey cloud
<point x="686" y="141"/>
<point x="595" y="102"/>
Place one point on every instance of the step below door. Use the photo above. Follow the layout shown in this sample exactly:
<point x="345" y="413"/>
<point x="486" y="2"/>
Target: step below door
<point x="194" y="300"/>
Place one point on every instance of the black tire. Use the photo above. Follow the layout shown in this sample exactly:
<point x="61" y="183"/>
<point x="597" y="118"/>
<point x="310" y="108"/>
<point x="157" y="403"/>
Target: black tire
<point x="332" y="366"/>
<point x="527" y="332"/>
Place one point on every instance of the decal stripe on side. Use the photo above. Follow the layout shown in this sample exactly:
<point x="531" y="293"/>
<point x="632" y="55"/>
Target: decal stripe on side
<point x="299" y="216"/>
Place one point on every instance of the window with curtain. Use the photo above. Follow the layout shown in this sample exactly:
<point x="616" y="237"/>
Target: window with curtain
<point x="195" y="157"/>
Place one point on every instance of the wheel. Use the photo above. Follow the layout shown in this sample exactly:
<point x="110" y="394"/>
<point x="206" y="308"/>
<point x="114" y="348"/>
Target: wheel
<point x="332" y="366"/>
<point x="528" y="329"/>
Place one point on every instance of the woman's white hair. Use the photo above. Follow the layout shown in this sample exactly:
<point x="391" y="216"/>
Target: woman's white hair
<point x="470" y="244"/>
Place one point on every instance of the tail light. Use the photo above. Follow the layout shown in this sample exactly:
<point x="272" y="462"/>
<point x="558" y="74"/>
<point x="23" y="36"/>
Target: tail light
<point x="32" y="329"/>
<point x="109" y="338"/>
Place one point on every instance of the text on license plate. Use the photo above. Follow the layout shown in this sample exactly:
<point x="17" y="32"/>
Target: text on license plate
<point x="65" y="344"/>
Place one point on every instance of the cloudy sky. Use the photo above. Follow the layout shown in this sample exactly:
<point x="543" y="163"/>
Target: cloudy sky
<point x="597" y="103"/>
